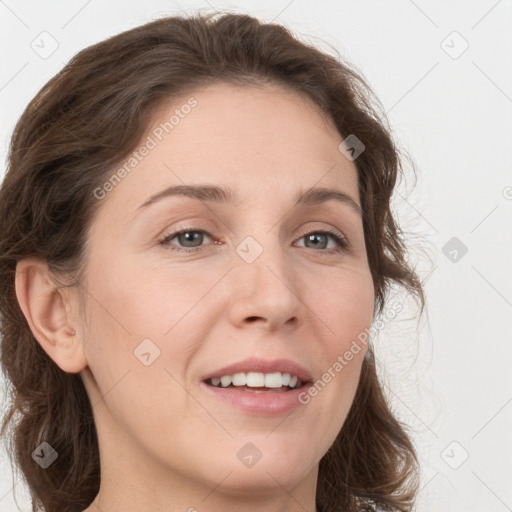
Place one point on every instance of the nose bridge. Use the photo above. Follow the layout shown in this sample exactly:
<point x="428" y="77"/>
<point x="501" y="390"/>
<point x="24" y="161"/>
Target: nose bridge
<point x="266" y="283"/>
<point x="262" y="247"/>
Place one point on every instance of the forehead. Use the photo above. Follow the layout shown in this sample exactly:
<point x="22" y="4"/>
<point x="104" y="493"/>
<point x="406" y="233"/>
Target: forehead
<point x="265" y="142"/>
<point x="262" y="118"/>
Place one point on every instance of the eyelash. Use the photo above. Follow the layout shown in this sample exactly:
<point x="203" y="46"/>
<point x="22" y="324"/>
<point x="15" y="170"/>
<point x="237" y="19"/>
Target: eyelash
<point x="342" y="242"/>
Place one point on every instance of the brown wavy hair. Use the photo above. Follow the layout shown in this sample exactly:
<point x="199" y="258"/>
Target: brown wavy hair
<point x="79" y="126"/>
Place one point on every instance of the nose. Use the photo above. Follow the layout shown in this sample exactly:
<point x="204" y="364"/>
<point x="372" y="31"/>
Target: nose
<point x="266" y="291"/>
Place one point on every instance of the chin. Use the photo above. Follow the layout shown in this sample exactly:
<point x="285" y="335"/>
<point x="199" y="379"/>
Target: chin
<point x="262" y="465"/>
<point x="263" y="477"/>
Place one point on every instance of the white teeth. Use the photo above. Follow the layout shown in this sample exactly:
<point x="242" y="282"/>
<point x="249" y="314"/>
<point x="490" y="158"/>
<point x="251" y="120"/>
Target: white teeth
<point x="273" y="380"/>
<point x="239" y="379"/>
<point x="255" y="380"/>
<point x="258" y="380"/>
<point x="225" y="380"/>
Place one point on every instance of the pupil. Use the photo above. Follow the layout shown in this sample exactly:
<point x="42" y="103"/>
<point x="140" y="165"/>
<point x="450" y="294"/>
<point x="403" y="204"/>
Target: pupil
<point x="190" y="236"/>
<point x="314" y="237"/>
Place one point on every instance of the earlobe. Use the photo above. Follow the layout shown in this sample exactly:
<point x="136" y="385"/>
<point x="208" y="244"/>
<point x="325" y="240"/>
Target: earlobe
<point x="44" y="308"/>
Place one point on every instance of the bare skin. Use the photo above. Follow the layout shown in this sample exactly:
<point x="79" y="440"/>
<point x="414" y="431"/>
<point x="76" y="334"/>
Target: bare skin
<point x="165" y="443"/>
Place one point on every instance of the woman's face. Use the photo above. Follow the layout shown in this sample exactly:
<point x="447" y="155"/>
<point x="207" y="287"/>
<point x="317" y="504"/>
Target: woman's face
<point x="261" y="290"/>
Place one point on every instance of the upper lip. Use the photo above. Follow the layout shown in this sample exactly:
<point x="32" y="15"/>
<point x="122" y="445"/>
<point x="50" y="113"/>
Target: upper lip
<point x="262" y="366"/>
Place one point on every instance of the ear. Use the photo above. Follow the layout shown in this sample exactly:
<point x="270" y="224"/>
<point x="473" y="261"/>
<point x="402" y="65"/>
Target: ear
<point x="44" y="307"/>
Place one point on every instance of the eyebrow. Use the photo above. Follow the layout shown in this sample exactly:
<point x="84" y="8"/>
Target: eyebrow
<point x="218" y="194"/>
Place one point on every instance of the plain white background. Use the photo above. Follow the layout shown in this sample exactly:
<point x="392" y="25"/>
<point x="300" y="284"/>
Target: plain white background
<point x="442" y="70"/>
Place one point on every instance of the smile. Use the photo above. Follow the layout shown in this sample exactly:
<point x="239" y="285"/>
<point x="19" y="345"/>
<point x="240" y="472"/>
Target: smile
<point x="257" y="382"/>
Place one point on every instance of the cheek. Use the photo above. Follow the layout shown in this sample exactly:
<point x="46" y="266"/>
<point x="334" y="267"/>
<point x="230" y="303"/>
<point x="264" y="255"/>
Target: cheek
<point x="136" y="368"/>
<point x="347" y="308"/>
<point x="148" y="323"/>
<point x="154" y="301"/>
<point x="347" y="312"/>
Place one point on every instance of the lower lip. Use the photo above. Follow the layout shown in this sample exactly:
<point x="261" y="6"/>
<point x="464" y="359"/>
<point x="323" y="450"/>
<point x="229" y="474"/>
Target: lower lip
<point x="261" y="404"/>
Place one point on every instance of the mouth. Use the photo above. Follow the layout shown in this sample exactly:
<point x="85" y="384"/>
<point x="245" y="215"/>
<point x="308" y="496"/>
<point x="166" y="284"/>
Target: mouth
<point x="257" y="382"/>
<point x="259" y="387"/>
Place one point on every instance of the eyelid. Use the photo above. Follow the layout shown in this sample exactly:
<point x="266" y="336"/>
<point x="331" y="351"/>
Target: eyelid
<point x="328" y="229"/>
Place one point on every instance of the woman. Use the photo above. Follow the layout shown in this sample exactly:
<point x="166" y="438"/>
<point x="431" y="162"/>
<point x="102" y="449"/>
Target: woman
<point x="196" y="240"/>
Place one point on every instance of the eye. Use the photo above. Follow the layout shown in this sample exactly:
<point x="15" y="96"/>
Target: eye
<point x="193" y="237"/>
<point x="183" y="236"/>
<point x="313" y="237"/>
